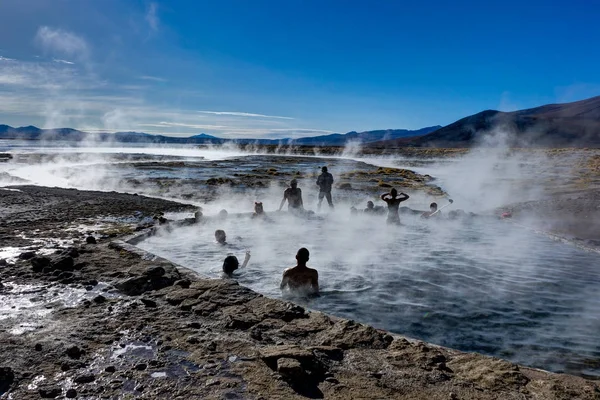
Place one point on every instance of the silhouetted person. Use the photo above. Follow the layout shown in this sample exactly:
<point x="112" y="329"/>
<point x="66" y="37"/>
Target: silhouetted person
<point x="300" y="278"/>
<point x="293" y="195"/>
<point x="220" y="236"/>
<point x="231" y="263"/>
<point x="393" y="202"/>
<point x="223" y="214"/>
<point x="432" y="211"/>
<point x="325" y="181"/>
<point x="371" y="209"/>
<point x="259" y="211"/>
<point x="353" y="211"/>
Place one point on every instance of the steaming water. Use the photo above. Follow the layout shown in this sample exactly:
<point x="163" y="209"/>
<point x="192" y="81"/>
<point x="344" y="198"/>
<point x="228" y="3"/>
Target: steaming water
<point x="480" y="286"/>
<point x="483" y="286"/>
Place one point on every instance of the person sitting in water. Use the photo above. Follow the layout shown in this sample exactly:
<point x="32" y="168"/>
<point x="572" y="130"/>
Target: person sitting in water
<point x="393" y="202"/>
<point x="371" y="209"/>
<point x="301" y="278"/>
<point x="220" y="236"/>
<point x="222" y="214"/>
<point x="259" y="211"/>
<point x="231" y="263"/>
<point x="433" y="211"/>
<point x="293" y="195"/>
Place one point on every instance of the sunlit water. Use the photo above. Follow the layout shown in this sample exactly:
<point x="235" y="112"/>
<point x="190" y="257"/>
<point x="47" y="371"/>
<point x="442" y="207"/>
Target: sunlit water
<point x="483" y="286"/>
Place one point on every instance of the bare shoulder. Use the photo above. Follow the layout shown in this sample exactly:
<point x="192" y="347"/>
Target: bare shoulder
<point x="313" y="271"/>
<point x="288" y="271"/>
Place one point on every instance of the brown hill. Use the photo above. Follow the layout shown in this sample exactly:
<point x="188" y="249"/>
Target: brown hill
<point x="574" y="124"/>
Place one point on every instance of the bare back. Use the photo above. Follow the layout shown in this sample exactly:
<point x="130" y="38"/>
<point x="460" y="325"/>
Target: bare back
<point x="301" y="279"/>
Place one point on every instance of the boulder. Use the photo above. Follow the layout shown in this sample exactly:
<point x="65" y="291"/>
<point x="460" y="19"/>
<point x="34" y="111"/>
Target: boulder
<point x="349" y="334"/>
<point x="84" y="378"/>
<point x="48" y="392"/>
<point x="290" y="369"/>
<point x="7" y="377"/>
<point x="90" y="240"/>
<point x="28" y="255"/>
<point x="154" y="277"/>
<point x="63" y="263"/>
<point x="39" y="263"/>
<point x="74" y="352"/>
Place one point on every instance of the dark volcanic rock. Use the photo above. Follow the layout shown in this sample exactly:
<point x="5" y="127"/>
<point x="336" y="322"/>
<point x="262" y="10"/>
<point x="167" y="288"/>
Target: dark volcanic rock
<point x="84" y="378"/>
<point x="28" y="255"/>
<point x="7" y="377"/>
<point x="49" y="392"/>
<point x="39" y="263"/>
<point x="74" y="352"/>
<point x="71" y="393"/>
<point x="154" y="277"/>
<point x="90" y="240"/>
<point x="63" y="263"/>
<point x="149" y="303"/>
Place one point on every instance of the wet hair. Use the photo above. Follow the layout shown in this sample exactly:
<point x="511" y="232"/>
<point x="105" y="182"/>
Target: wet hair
<point x="324" y="169"/>
<point x="394" y="193"/>
<point x="223" y="213"/>
<point x="230" y="264"/>
<point x="370" y="204"/>
<point x="220" y="235"/>
<point x="198" y="214"/>
<point x="293" y="182"/>
<point x="433" y="205"/>
<point x="302" y="255"/>
<point x="258" y="207"/>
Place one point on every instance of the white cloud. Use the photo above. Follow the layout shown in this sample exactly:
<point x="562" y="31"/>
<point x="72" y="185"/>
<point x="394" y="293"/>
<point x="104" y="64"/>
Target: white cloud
<point x="152" y="78"/>
<point x="6" y="59"/>
<point x="58" y="41"/>
<point x="152" y="17"/>
<point x="56" y="60"/>
<point x="163" y="124"/>
<point x="243" y="114"/>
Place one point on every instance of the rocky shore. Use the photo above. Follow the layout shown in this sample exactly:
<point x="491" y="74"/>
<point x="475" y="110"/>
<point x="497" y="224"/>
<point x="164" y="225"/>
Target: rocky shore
<point x="83" y="314"/>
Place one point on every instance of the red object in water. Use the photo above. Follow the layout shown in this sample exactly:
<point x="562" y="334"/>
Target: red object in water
<point x="506" y="214"/>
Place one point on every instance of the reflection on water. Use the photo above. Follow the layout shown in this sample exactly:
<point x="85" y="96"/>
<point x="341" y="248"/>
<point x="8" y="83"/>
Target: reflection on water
<point x="476" y="286"/>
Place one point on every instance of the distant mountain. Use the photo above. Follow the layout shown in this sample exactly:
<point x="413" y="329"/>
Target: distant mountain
<point x="68" y="134"/>
<point x="74" y="135"/>
<point x="554" y="125"/>
<point x="337" y="139"/>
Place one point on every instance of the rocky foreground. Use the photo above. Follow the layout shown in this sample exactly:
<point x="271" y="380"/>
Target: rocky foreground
<point x="105" y="320"/>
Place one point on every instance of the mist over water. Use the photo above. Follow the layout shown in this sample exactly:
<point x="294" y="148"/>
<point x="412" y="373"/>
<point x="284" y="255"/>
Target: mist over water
<point x="476" y="285"/>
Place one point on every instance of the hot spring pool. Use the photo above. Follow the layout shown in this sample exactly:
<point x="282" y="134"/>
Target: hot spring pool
<point x="479" y="285"/>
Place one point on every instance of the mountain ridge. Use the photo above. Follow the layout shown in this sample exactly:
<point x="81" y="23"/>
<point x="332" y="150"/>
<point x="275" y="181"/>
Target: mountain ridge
<point x="552" y="125"/>
<point x="69" y="134"/>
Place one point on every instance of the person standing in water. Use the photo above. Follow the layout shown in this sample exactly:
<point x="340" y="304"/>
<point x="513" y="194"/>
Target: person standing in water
<point x="325" y="181"/>
<point x="301" y="279"/>
<point x="393" y="202"/>
<point x="293" y="195"/>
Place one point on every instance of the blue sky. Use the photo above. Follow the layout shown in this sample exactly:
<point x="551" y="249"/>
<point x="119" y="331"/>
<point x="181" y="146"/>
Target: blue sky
<point x="241" y="68"/>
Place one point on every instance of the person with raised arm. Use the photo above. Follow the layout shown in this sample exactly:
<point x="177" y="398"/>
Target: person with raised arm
<point x="231" y="263"/>
<point x="393" y="201"/>
<point x="301" y="279"/>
